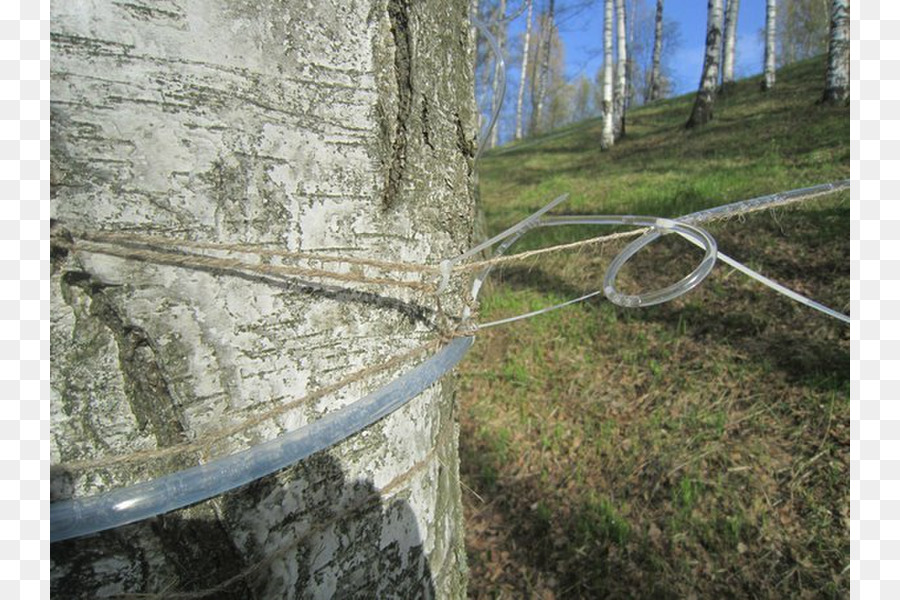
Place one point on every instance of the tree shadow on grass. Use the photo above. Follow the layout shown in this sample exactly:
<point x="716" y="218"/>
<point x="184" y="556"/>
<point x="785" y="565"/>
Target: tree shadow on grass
<point x="304" y="532"/>
<point x="788" y="340"/>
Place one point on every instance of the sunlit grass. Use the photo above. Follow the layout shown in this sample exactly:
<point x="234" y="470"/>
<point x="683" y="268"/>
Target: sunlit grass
<point x="696" y="448"/>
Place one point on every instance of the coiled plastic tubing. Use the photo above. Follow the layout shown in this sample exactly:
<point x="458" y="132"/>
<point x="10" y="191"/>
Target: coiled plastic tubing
<point x="83" y="516"/>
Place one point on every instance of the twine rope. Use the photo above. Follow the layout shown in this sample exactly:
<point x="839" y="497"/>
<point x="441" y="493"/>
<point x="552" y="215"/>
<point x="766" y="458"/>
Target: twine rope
<point x="161" y="250"/>
<point x="207" y="440"/>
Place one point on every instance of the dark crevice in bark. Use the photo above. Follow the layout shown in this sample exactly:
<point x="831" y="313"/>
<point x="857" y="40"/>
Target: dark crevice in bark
<point x="426" y="134"/>
<point x="398" y="12"/>
<point x="145" y="387"/>
<point x="150" y="13"/>
<point x="465" y="146"/>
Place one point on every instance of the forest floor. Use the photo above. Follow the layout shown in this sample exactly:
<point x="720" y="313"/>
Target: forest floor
<point x="694" y="449"/>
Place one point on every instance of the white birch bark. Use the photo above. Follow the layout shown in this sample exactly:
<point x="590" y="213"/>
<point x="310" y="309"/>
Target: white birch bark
<point x="655" y="72"/>
<point x="769" y="64"/>
<point x="526" y="48"/>
<point x="702" y="111"/>
<point x="500" y="35"/>
<point x="607" y="135"/>
<point x="731" y="17"/>
<point x="621" y="72"/>
<point x="343" y="127"/>
<point x="837" y="76"/>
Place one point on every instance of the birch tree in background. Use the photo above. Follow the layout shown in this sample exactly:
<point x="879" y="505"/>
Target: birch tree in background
<point x="730" y="42"/>
<point x="621" y="72"/>
<point x="543" y="71"/>
<point x="607" y="134"/>
<point x="631" y="9"/>
<point x="837" y="77"/>
<point x="702" y="112"/>
<point x="280" y="126"/>
<point x="524" y="70"/>
<point x="655" y="73"/>
<point x="768" y="81"/>
<point x="500" y="29"/>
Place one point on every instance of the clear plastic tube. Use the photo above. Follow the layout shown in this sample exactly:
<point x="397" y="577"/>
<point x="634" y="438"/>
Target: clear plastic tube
<point x="84" y="516"/>
<point x="771" y="201"/>
<point x="780" y="288"/>
<point x="761" y="202"/>
<point x="500" y="71"/>
<point x="660" y="227"/>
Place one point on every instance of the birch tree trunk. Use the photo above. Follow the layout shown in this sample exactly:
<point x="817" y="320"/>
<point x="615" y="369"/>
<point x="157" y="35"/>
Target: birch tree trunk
<point x="702" y="112"/>
<point x="621" y="72"/>
<point x="837" y="77"/>
<point x="731" y="17"/>
<point x="768" y="81"/>
<point x="630" y="64"/>
<point x="346" y="127"/>
<point x="526" y="48"/>
<point x="500" y="34"/>
<point x="655" y="73"/>
<point x="546" y="39"/>
<point x="607" y="134"/>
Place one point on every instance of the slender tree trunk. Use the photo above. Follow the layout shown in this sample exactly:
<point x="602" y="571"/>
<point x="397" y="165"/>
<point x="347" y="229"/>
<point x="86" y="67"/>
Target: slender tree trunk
<point x="500" y="34"/>
<point x="534" y="83"/>
<point x="655" y="73"/>
<point x="629" y="65"/>
<point x="346" y="128"/>
<point x="524" y="70"/>
<point x="702" y="112"/>
<point x="621" y="75"/>
<point x="607" y="135"/>
<point x="837" y="77"/>
<point x="731" y="18"/>
<point x="547" y="38"/>
<point x="769" y="69"/>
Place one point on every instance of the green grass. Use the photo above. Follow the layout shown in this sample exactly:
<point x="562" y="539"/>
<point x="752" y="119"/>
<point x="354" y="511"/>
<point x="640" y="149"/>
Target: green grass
<point x="693" y="449"/>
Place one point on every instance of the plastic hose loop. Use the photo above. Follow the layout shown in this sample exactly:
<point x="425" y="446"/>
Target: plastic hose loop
<point x="660" y="227"/>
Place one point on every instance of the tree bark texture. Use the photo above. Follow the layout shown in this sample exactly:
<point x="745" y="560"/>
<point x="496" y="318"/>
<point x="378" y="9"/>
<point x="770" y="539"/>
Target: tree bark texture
<point x="304" y="125"/>
<point x="655" y="73"/>
<point x="526" y="47"/>
<point x="607" y="135"/>
<point x="702" y="111"/>
<point x="837" y="76"/>
<point x="621" y="72"/>
<point x="768" y="81"/>
<point x="730" y="42"/>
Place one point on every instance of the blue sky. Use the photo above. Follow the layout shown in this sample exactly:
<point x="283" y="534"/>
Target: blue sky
<point x="582" y="37"/>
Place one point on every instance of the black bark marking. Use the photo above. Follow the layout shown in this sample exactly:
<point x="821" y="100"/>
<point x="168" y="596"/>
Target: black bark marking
<point x="426" y="134"/>
<point x="145" y="386"/>
<point x="398" y="12"/>
<point x="464" y="144"/>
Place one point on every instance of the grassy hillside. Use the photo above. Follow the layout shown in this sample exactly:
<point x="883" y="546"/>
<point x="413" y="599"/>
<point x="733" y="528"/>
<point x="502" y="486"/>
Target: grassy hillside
<point x="757" y="143"/>
<point x="698" y="448"/>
